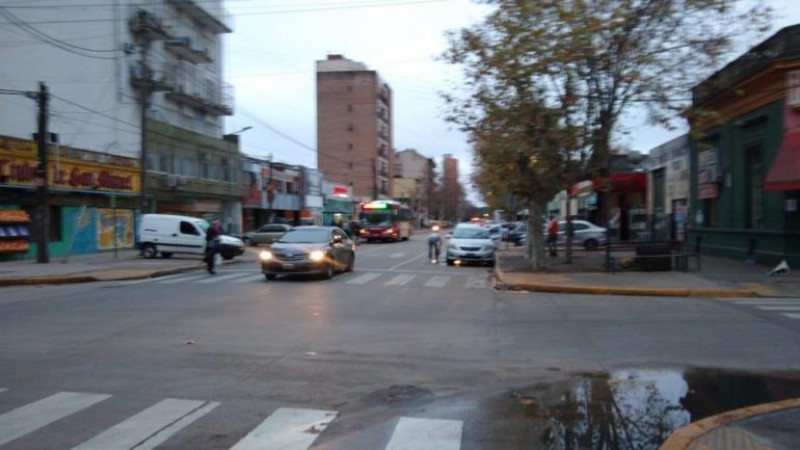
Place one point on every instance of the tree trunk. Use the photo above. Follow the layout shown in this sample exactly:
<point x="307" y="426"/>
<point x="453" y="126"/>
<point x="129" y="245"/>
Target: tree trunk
<point x="534" y="244"/>
<point x="567" y="232"/>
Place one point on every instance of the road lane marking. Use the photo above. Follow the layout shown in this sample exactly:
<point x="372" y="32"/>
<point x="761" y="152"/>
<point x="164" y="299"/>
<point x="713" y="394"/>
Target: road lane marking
<point x="400" y="280"/>
<point x="25" y="419"/>
<point x="779" y="308"/>
<point x="214" y="278"/>
<point x="180" y="279"/>
<point x="363" y="278"/>
<point x="426" y="434"/>
<point x="396" y="255"/>
<point x="766" y="302"/>
<point x="249" y="278"/>
<point x="287" y="429"/>
<point x="396" y="266"/>
<point x="792" y="315"/>
<point x="151" y="427"/>
<point x="437" y="281"/>
<point x="476" y="283"/>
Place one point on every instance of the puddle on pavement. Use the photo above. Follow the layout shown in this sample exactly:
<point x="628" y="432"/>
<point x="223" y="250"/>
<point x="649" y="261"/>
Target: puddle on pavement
<point x="638" y="408"/>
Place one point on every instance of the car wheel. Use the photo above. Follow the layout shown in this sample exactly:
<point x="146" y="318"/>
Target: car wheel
<point x="590" y="244"/>
<point x="350" y="263"/>
<point x="491" y="263"/>
<point x="227" y="257"/>
<point x="328" y="273"/>
<point x="270" y="276"/>
<point x="450" y="262"/>
<point x="166" y="254"/>
<point x="248" y="241"/>
<point x="149" y="251"/>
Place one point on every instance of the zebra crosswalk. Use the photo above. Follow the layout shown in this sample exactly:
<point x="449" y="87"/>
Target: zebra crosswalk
<point x="786" y="307"/>
<point x="285" y="428"/>
<point x="386" y="278"/>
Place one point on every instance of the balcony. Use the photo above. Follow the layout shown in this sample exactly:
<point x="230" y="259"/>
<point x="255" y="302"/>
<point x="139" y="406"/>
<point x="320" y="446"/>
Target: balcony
<point x="187" y="49"/>
<point x="207" y="95"/>
<point x="215" y="23"/>
<point x="148" y="25"/>
<point x="144" y="76"/>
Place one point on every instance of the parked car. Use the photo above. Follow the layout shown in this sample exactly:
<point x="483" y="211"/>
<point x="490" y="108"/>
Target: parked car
<point x="470" y="243"/>
<point x="496" y="233"/>
<point x="167" y="234"/>
<point x="309" y="250"/>
<point x="266" y="234"/>
<point x="585" y="233"/>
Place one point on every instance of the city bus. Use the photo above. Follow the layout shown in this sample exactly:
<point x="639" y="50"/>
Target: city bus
<point x="385" y="220"/>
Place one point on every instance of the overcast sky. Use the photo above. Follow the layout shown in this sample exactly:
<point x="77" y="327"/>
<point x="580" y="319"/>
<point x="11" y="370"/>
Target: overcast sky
<point x="270" y="57"/>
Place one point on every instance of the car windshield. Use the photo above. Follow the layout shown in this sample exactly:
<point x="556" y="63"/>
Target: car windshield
<point x="470" y="233"/>
<point x="301" y="236"/>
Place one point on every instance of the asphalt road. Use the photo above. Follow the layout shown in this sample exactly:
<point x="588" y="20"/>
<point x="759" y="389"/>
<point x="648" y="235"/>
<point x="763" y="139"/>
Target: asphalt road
<point x="400" y="353"/>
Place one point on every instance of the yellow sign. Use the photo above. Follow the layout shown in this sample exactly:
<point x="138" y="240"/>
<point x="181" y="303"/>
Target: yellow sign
<point x="19" y="169"/>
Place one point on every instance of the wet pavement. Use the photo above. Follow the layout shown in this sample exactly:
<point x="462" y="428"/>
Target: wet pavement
<point x="639" y="409"/>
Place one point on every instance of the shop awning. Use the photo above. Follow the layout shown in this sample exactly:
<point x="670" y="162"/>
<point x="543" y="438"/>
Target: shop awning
<point x="784" y="175"/>
<point x="623" y="183"/>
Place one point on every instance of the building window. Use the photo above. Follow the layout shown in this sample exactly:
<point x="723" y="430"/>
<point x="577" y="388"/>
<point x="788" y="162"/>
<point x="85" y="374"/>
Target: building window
<point x="350" y="146"/>
<point x="350" y="108"/>
<point x="350" y="127"/>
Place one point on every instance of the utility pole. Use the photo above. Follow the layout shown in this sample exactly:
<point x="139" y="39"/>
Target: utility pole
<point x="144" y="103"/>
<point x="43" y="205"/>
<point x="270" y="191"/>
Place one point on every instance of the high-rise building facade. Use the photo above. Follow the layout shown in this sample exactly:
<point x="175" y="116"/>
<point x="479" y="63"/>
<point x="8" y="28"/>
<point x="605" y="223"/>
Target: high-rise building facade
<point x="140" y="80"/>
<point x="354" y="127"/>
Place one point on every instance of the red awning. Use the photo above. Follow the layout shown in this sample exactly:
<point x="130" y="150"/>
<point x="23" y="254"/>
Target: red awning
<point x="623" y="183"/>
<point x="784" y="175"/>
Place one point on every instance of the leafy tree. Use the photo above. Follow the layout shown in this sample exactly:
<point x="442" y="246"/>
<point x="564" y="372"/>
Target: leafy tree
<point x="547" y="81"/>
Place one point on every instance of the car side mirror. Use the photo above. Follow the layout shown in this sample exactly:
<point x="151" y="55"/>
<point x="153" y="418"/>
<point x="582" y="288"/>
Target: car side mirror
<point x="337" y="239"/>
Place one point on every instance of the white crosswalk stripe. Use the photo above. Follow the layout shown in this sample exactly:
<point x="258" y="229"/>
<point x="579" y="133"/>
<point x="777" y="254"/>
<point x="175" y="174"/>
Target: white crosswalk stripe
<point x="249" y="278"/>
<point x="23" y="420"/>
<point x="400" y="280"/>
<point x="426" y="434"/>
<point x="286" y="428"/>
<point x="437" y="281"/>
<point x="385" y="278"/>
<point x="151" y="427"/>
<point x="363" y="278"/>
<point x="787" y="307"/>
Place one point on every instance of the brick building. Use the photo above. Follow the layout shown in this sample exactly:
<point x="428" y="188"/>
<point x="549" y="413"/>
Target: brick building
<point x="354" y="127"/>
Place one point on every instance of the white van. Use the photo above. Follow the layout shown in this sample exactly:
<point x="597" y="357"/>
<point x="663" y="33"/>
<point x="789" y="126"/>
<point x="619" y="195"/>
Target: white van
<point x="168" y="234"/>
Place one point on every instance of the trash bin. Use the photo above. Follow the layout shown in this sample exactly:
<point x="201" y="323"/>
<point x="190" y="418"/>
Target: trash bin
<point x="658" y="257"/>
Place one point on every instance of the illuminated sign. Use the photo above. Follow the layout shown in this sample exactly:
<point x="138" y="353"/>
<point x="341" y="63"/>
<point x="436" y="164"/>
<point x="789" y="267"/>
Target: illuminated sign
<point x="376" y="205"/>
<point x="341" y="192"/>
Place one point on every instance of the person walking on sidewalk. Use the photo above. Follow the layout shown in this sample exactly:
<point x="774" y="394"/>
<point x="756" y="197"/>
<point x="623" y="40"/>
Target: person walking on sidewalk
<point x="434" y="244"/>
<point x="552" y="236"/>
<point x="212" y="244"/>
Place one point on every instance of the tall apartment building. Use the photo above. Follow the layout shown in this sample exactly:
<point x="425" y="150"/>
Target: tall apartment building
<point x="414" y="181"/>
<point x="354" y="127"/>
<point x="451" y="191"/>
<point x="140" y="79"/>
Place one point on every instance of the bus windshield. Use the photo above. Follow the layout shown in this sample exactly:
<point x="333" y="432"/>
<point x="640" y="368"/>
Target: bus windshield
<point x="383" y="219"/>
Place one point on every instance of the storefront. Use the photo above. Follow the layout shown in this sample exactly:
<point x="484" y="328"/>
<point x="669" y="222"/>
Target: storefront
<point x="337" y="204"/>
<point x="92" y="200"/>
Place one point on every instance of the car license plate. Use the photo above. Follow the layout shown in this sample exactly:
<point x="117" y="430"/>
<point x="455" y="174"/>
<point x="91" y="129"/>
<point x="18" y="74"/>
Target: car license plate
<point x="469" y="255"/>
<point x="288" y="266"/>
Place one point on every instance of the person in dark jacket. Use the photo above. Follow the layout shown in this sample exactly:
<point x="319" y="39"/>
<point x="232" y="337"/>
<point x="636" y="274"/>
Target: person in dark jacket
<point x="212" y="244"/>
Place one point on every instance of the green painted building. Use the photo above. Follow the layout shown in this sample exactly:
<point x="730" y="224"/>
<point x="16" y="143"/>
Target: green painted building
<point x="745" y="159"/>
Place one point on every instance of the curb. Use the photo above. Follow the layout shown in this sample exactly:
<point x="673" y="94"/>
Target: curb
<point x="684" y="437"/>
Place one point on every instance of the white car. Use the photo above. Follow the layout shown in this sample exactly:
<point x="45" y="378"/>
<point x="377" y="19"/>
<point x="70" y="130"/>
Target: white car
<point x="470" y="243"/>
<point x="496" y="233"/>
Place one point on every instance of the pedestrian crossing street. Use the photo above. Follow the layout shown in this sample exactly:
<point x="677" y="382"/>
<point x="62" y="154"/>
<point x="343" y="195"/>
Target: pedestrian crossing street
<point x="786" y="307"/>
<point x="385" y="278"/>
<point x="285" y="428"/>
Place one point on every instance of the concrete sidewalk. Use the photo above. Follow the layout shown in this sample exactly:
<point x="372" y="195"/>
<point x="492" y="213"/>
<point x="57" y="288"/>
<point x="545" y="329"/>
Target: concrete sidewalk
<point x="106" y="266"/>
<point x="718" y="277"/>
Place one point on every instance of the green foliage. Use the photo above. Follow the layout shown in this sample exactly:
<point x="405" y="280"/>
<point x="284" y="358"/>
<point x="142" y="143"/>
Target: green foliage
<point x="545" y="81"/>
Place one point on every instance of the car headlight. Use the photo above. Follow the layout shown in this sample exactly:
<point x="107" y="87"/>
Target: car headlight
<point x="488" y="247"/>
<point x="317" y="255"/>
<point x="265" y="255"/>
<point x="453" y="247"/>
